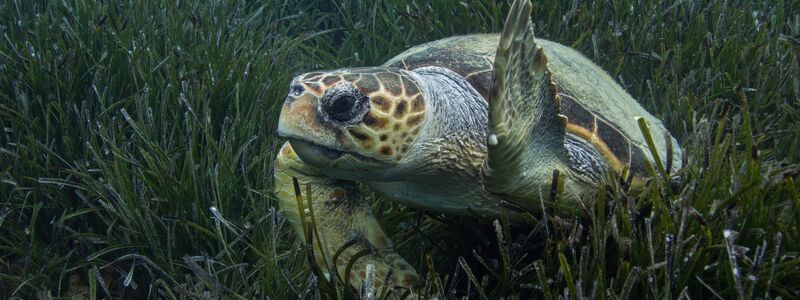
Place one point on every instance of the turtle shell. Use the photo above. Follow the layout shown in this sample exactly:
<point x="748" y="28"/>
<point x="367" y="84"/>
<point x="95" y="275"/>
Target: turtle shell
<point x="471" y="56"/>
<point x="598" y="110"/>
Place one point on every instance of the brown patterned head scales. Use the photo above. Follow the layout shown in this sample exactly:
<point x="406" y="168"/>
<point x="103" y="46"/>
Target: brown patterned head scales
<point x="373" y="112"/>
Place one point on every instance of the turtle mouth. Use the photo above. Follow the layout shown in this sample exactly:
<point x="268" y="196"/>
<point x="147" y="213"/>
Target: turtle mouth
<point x="322" y="156"/>
<point x="313" y="153"/>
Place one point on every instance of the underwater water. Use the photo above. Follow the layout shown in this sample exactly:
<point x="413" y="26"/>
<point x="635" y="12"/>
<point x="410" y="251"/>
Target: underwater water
<point x="138" y="142"/>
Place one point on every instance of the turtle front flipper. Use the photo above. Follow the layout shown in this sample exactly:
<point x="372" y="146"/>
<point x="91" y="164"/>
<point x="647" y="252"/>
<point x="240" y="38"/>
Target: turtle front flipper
<point x="526" y="132"/>
<point x="346" y="228"/>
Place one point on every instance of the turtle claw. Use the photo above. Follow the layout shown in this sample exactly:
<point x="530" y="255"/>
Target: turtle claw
<point x="369" y="261"/>
<point x="371" y="273"/>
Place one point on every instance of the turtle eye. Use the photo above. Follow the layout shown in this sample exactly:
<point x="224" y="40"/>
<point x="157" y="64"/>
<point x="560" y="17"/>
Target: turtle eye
<point x="344" y="105"/>
<point x="340" y="108"/>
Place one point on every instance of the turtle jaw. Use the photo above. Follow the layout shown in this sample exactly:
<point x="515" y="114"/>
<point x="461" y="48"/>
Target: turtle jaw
<point x="339" y="164"/>
<point x="314" y="154"/>
<point x="333" y="160"/>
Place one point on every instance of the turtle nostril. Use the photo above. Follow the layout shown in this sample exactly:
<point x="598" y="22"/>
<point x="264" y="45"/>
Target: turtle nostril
<point x="296" y="90"/>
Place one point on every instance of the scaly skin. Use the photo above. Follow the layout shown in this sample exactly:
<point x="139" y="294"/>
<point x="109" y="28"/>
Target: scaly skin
<point x="341" y="215"/>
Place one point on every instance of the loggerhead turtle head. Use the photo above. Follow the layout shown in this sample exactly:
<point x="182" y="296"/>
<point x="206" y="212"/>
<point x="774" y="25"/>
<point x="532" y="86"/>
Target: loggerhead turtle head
<point x="360" y="119"/>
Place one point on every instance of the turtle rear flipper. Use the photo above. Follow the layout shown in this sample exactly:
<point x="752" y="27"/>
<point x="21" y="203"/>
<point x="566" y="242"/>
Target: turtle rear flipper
<point x="346" y="229"/>
<point x="526" y="131"/>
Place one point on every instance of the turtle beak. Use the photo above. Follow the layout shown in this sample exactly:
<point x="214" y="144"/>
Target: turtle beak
<point x="300" y="124"/>
<point x="314" y="155"/>
<point x="294" y="112"/>
<point x="299" y="120"/>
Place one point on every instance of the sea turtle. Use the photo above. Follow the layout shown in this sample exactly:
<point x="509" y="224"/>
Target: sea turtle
<point x="476" y="125"/>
